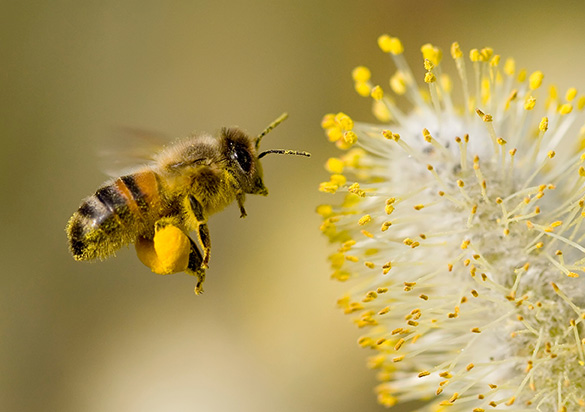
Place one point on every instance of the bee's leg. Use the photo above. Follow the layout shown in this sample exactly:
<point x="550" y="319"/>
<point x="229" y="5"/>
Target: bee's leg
<point x="202" y="230"/>
<point x="240" y="197"/>
<point x="194" y="267"/>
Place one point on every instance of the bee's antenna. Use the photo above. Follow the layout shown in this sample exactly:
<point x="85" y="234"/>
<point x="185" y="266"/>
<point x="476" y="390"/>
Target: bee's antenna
<point x="271" y="126"/>
<point x="282" y="151"/>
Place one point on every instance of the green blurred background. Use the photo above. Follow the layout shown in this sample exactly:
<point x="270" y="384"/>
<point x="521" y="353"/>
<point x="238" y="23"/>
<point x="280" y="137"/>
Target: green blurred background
<point x="266" y="335"/>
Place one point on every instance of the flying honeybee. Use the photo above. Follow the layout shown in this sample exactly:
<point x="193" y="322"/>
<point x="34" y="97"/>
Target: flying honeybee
<point x="159" y="204"/>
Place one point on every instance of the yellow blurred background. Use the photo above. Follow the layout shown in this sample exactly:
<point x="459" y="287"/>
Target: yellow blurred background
<point x="266" y="335"/>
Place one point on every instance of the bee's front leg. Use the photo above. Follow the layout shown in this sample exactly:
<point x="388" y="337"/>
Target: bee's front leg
<point x="202" y="230"/>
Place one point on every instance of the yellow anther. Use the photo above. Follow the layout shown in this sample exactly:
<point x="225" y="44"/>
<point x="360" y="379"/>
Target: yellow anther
<point x="432" y="53"/>
<point x="380" y="110"/>
<point x="476" y="330"/>
<point x="338" y="179"/>
<point x="377" y="93"/>
<point x="510" y="66"/>
<point x="430" y="77"/>
<point x="581" y="103"/>
<point x="385" y="226"/>
<point x="334" y="165"/>
<point x="328" y="121"/>
<point x="474" y="55"/>
<point x="361" y="74"/>
<point x="571" y="94"/>
<point x="456" y="52"/>
<point x="535" y="80"/>
<point x="485" y="117"/>
<point x="328" y="187"/>
<point x="446" y="82"/>
<point x="529" y="103"/>
<point x="428" y="65"/>
<point x="362" y="88"/>
<point x="486" y="53"/>
<point x="344" y="121"/>
<point x="370" y="265"/>
<point x="543" y="126"/>
<point x="566" y="108"/>
<point x="551" y="154"/>
<point x="398" y="84"/>
<point x="334" y="133"/>
<point x="364" y="220"/>
<point x="495" y="61"/>
<point x="501" y="141"/>
<point x="465" y="244"/>
<point x="390" y="44"/>
<point x="522" y="74"/>
<point x="324" y="210"/>
<point x="350" y="137"/>
<point x="355" y="189"/>
<point x="427" y="136"/>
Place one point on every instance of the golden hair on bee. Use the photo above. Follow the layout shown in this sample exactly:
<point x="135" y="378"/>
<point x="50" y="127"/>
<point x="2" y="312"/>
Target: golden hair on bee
<point x="158" y="205"/>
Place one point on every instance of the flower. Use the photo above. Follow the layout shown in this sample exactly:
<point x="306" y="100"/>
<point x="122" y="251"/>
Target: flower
<point x="459" y="224"/>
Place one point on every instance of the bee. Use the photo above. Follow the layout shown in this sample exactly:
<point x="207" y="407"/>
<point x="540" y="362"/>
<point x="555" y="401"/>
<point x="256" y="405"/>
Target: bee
<point x="185" y="184"/>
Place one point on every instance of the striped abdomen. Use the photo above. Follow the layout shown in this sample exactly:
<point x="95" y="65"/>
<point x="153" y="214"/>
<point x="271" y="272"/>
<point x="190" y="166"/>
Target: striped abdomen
<point x="114" y="216"/>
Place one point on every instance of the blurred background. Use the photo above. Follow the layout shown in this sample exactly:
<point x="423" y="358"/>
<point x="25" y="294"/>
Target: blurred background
<point x="266" y="335"/>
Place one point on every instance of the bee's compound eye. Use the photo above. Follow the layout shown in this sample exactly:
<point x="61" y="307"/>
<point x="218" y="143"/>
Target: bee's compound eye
<point x="243" y="157"/>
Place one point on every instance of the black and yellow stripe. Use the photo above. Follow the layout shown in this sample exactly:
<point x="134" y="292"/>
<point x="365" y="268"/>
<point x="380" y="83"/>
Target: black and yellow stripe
<point x="114" y="216"/>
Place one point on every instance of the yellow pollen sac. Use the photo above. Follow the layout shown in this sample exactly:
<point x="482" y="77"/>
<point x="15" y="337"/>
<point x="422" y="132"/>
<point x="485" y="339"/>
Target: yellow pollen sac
<point x="428" y="65"/>
<point x="364" y="220"/>
<point x="344" y="121"/>
<point x="362" y="88"/>
<point x="430" y="77"/>
<point x="328" y="121"/>
<point x="566" y="108"/>
<point x="390" y="44"/>
<point x="167" y="253"/>
<point x="474" y="55"/>
<point x="510" y="66"/>
<point x="334" y="133"/>
<point x="432" y="53"/>
<point x="361" y="74"/>
<point x="529" y="103"/>
<point x="535" y="80"/>
<point x="350" y="137"/>
<point x="398" y="84"/>
<point x="571" y="94"/>
<point x="328" y="187"/>
<point x="543" y="125"/>
<point x="456" y="52"/>
<point x="338" y="179"/>
<point x="377" y="93"/>
<point x="334" y="165"/>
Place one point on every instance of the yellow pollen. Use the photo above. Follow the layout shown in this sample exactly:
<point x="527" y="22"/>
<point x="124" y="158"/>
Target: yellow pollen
<point x="535" y="80"/>
<point x="428" y="65"/>
<point x="377" y="93"/>
<point x="324" y="210"/>
<point x="543" y="125"/>
<point x="390" y="44"/>
<point x="328" y="121"/>
<point x="423" y="374"/>
<point x="364" y="220"/>
<point x="399" y="344"/>
<point x="385" y="226"/>
<point x="571" y="94"/>
<point x="476" y="330"/>
<point x="474" y="55"/>
<point x="432" y="53"/>
<point x="465" y="244"/>
<point x="566" y="108"/>
<point x="398" y="84"/>
<point x="350" y="137"/>
<point x="338" y="179"/>
<point x="456" y="52"/>
<point x="362" y="88"/>
<point x="430" y="77"/>
<point x="361" y="74"/>
<point x="529" y="103"/>
<point x="510" y="66"/>
<point x="344" y="121"/>
<point x="334" y="165"/>
<point x="367" y="234"/>
<point x="370" y="265"/>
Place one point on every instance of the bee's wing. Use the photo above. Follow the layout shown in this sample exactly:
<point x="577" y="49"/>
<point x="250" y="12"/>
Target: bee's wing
<point x="129" y="148"/>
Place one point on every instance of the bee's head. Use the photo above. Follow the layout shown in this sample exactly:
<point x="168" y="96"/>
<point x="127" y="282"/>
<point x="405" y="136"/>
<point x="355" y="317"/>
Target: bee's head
<point x="242" y="152"/>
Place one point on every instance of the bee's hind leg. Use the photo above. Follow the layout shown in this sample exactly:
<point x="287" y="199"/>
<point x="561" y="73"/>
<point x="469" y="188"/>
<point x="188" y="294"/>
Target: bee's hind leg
<point x="202" y="230"/>
<point x="194" y="268"/>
